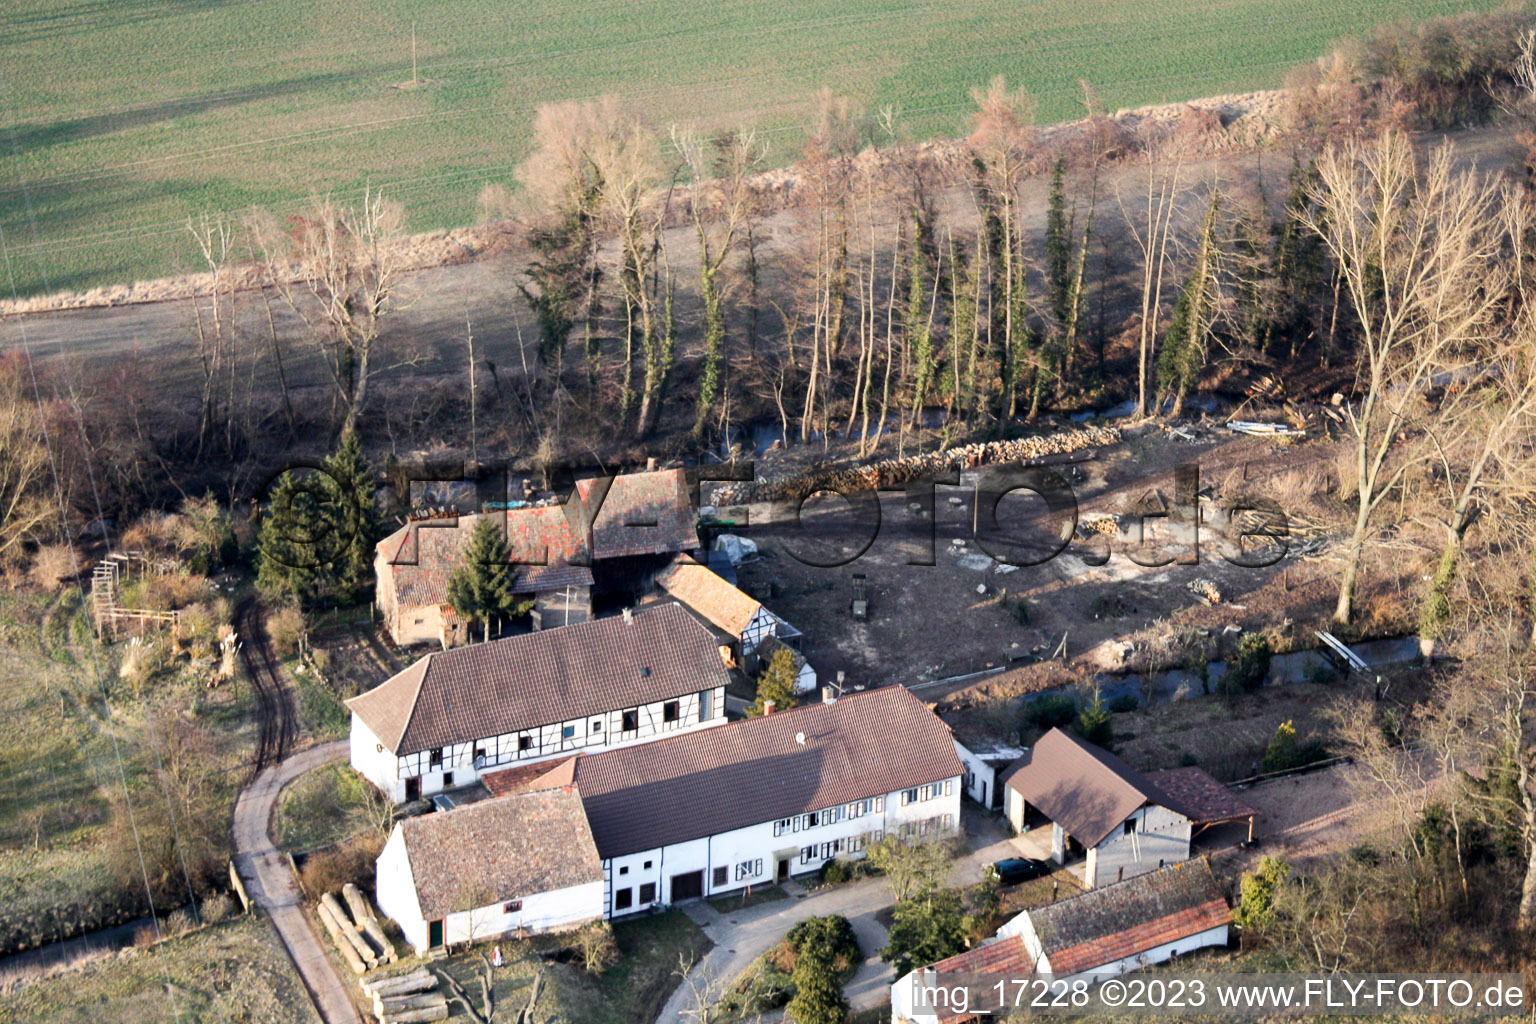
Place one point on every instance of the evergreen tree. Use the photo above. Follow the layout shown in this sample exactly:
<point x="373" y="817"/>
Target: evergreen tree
<point x="1058" y="245"/>
<point x="776" y="683"/>
<point x="292" y="553"/>
<point x="919" y="317"/>
<point x="480" y="589"/>
<point x="925" y="929"/>
<point x="818" y="990"/>
<point x="1184" y="345"/>
<point x="562" y="277"/>
<point x="350" y="483"/>
<point x="1093" y="723"/>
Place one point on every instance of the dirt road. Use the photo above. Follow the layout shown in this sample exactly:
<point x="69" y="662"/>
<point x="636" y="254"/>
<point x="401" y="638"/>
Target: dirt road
<point x="271" y="884"/>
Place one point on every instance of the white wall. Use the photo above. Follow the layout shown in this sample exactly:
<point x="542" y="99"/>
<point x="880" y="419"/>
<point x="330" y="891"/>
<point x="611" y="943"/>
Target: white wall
<point x="1159" y="836"/>
<point x="1158" y="954"/>
<point x="557" y="910"/>
<point x="981" y="778"/>
<point x="761" y="626"/>
<point x="545" y="743"/>
<point x="802" y="846"/>
<point x="395" y="890"/>
<point x="374" y="763"/>
<point x="805" y="682"/>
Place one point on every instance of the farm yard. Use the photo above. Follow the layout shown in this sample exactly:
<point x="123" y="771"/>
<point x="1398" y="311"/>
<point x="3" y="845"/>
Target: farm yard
<point x="127" y="119"/>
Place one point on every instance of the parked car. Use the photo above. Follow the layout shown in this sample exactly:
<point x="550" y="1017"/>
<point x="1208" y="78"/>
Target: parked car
<point x="1020" y="869"/>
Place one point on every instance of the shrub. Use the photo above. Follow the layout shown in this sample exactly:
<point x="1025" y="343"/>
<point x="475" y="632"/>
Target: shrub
<point x="836" y="871"/>
<point x="597" y="946"/>
<point x="1286" y="751"/>
<point x="1020" y="610"/>
<point x="1124" y="704"/>
<point x="52" y="563"/>
<point x="829" y="937"/>
<point x="1249" y="669"/>
<point x="1051" y="711"/>
<point x="179" y="922"/>
<point x="1256" y="905"/>
<point x="217" y="908"/>
<point x="285" y="626"/>
<point x="352" y="861"/>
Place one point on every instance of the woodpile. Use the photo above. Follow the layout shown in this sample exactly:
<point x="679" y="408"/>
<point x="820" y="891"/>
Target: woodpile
<point x="339" y="934"/>
<point x="357" y="934"/>
<point x="368" y="923"/>
<point x="891" y="472"/>
<point x="407" y="998"/>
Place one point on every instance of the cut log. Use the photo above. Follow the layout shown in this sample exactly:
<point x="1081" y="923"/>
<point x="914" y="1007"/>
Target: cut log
<point x="339" y="937"/>
<point x="374" y="933"/>
<point x="331" y="903"/>
<point x="419" y="980"/>
<point x="357" y="903"/>
<point x="415" y="1016"/>
<point x="420" y="1001"/>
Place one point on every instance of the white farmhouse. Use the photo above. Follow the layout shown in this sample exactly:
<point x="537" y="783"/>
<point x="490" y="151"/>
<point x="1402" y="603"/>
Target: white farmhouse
<point x="519" y="864"/>
<point x="1099" y="934"/>
<point x="761" y="799"/>
<point x="457" y="714"/>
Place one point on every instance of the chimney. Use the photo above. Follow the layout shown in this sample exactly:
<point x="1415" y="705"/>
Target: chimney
<point x="767" y="708"/>
<point x="840" y="678"/>
<point x="828" y="695"/>
<point x="650" y="464"/>
<point x="629" y="616"/>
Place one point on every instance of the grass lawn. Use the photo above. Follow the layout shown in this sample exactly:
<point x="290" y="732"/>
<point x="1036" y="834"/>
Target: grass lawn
<point x="741" y="901"/>
<point x="230" y="972"/>
<point x="633" y="989"/>
<point x="126" y="119"/>
<point x="323" y="806"/>
<point x="84" y="744"/>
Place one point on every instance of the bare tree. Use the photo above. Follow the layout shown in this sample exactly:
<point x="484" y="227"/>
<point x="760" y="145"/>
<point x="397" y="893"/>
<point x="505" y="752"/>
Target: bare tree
<point x="341" y="277"/>
<point x="1152" y="228"/>
<point x="23" y="465"/>
<point x="1417" y="255"/>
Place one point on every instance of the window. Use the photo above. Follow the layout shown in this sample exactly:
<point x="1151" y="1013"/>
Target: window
<point x="647" y="893"/>
<point x="879" y="805"/>
<point x="908" y="796"/>
<point x="631" y="720"/>
<point x="706" y="705"/>
<point x="597" y="726"/>
<point x="524" y="743"/>
<point x="807" y="854"/>
<point x="858" y="842"/>
<point x="748" y="869"/>
<point x="435" y="758"/>
<point x="781" y="826"/>
<point x="949" y="787"/>
<point x="624" y="870"/>
<point x="447" y="779"/>
<point x="479" y="754"/>
<point x="512" y="906"/>
<point x="811" y="820"/>
<point x="720" y="877"/>
<point x="669" y="711"/>
<point x="1130" y="825"/>
<point x="623" y="899"/>
<point x="568" y="732"/>
<point x="647" y="865"/>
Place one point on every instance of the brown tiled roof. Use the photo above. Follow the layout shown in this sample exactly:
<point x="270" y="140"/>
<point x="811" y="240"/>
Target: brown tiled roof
<point x="1086" y="790"/>
<point x="502" y="849"/>
<point x="714" y="780"/>
<point x="1004" y="956"/>
<point x="1130" y="917"/>
<point x="709" y="595"/>
<point x="544" y="540"/>
<point x="641" y="514"/>
<point x="530" y="778"/>
<point x="1199" y="795"/>
<point x="556" y="675"/>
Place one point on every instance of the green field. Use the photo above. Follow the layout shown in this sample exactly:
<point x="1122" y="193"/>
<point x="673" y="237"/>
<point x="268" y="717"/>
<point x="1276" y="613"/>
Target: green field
<point x="125" y="117"/>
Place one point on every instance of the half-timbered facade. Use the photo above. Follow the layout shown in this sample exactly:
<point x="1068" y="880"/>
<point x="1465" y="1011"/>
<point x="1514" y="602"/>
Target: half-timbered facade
<point x="455" y="715"/>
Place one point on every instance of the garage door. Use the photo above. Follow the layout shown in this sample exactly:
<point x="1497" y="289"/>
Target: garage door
<point x="687" y="887"/>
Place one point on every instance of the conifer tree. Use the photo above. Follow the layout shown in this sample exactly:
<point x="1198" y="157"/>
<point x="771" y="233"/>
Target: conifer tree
<point x="1184" y="345"/>
<point x="292" y="554"/>
<point x="776" y="683"/>
<point x="350" y="483"/>
<point x="1058" y="245"/>
<point x="480" y="589"/>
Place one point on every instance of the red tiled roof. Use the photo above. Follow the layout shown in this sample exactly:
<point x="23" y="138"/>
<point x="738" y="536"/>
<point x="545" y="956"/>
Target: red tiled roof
<point x="640" y="514"/>
<point x="1121" y="920"/>
<point x="1200" y="796"/>
<point x="422" y="555"/>
<point x="1003" y="956"/>
<point x="709" y="595"/>
<point x="530" y="778"/>
<point x="556" y="675"/>
<point x="744" y="773"/>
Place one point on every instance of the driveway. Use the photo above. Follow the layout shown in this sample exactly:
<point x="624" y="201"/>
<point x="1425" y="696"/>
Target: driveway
<point x="270" y="883"/>
<point x="740" y="937"/>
